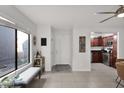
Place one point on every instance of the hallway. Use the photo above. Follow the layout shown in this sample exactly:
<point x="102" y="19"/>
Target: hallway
<point x="101" y="76"/>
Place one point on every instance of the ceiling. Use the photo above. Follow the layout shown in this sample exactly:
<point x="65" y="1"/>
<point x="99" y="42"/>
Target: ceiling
<point x="70" y="15"/>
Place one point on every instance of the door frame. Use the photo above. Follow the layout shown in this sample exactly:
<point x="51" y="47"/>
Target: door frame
<point x="53" y="33"/>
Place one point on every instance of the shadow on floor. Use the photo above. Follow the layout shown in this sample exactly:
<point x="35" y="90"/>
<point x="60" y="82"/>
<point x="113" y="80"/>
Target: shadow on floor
<point x="37" y="83"/>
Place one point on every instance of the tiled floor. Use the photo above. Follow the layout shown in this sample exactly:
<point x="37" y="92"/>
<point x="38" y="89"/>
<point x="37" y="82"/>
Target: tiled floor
<point x="101" y="76"/>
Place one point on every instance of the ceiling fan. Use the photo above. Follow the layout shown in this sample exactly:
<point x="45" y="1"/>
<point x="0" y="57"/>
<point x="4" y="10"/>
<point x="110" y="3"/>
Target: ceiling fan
<point x="118" y="13"/>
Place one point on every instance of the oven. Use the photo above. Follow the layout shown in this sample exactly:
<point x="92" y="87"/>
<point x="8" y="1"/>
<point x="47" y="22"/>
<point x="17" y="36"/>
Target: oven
<point x="106" y="56"/>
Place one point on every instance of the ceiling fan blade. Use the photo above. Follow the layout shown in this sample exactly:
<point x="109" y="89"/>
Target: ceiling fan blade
<point x="121" y="5"/>
<point x="105" y="13"/>
<point x="107" y="19"/>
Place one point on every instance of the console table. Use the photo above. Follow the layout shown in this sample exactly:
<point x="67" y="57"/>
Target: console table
<point x="40" y="62"/>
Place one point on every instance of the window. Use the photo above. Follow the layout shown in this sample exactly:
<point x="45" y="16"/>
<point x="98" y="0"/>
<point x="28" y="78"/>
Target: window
<point x="22" y="48"/>
<point x="14" y="49"/>
<point x="7" y="50"/>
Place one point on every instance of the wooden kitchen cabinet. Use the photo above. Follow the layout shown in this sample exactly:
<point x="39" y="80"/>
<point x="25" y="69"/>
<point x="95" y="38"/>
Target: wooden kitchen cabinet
<point x="109" y="42"/>
<point x="96" y="56"/>
<point x="113" y="54"/>
<point x="97" y="41"/>
<point x="106" y="41"/>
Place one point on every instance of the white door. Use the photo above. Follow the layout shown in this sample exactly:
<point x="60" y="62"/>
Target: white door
<point x="63" y="48"/>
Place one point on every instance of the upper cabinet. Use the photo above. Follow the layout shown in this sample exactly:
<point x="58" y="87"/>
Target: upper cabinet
<point x="98" y="41"/>
<point x="108" y="41"/>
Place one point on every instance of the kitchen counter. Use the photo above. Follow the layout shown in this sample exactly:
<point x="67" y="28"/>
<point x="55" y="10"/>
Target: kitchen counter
<point x="93" y="50"/>
<point x="100" y="48"/>
<point x="96" y="48"/>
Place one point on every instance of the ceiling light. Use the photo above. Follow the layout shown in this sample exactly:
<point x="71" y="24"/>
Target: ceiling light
<point x="115" y="37"/>
<point x="120" y="15"/>
<point x="6" y="20"/>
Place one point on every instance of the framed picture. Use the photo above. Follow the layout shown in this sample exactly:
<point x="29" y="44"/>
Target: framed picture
<point x="34" y="40"/>
<point x="43" y="41"/>
<point x="82" y="43"/>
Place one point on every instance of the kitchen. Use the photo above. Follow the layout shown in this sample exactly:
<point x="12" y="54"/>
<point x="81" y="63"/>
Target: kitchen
<point x="104" y="48"/>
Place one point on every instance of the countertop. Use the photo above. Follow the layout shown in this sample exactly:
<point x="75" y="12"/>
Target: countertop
<point x="96" y="48"/>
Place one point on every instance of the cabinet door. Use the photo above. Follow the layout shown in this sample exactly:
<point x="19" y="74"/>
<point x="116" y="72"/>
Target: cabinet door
<point x="100" y="42"/>
<point x="94" y="57"/>
<point x="95" y="41"/>
<point x="92" y="42"/>
<point x="97" y="57"/>
<point x="100" y="57"/>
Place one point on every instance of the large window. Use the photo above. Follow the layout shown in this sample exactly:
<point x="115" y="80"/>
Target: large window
<point x="22" y="48"/>
<point x="14" y="49"/>
<point x="7" y="50"/>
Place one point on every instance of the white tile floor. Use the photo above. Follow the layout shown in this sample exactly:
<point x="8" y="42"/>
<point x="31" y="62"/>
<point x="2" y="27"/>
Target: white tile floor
<point x="101" y="76"/>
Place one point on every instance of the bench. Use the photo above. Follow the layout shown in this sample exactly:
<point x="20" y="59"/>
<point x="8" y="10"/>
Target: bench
<point x="25" y="77"/>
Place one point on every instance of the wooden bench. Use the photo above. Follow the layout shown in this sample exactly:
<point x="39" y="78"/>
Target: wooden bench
<point x="26" y="76"/>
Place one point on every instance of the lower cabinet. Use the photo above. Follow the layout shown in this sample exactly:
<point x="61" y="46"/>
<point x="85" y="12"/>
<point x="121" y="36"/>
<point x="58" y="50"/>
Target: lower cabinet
<point x="96" y="57"/>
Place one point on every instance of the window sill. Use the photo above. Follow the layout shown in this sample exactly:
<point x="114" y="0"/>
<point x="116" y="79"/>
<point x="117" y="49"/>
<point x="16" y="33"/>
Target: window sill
<point x="11" y="74"/>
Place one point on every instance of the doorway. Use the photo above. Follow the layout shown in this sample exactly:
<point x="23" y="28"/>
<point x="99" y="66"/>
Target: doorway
<point x="61" y="50"/>
<point x="104" y="48"/>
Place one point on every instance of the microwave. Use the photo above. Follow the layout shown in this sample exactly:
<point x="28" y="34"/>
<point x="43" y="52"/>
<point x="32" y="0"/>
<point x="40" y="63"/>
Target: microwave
<point x="109" y="43"/>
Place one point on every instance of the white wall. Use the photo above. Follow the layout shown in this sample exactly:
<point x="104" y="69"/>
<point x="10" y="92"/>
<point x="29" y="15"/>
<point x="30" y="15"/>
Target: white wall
<point x="52" y="47"/>
<point x="45" y="32"/>
<point x="82" y="61"/>
<point x="119" y="30"/>
<point x="22" y="23"/>
<point x="82" y="24"/>
<point x="62" y="46"/>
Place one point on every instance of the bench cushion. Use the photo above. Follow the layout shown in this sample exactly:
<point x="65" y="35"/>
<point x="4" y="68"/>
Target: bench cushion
<point x="26" y="76"/>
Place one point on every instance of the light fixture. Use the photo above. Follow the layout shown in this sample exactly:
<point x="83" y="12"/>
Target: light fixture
<point x="6" y="20"/>
<point x="115" y="37"/>
<point x="120" y="15"/>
